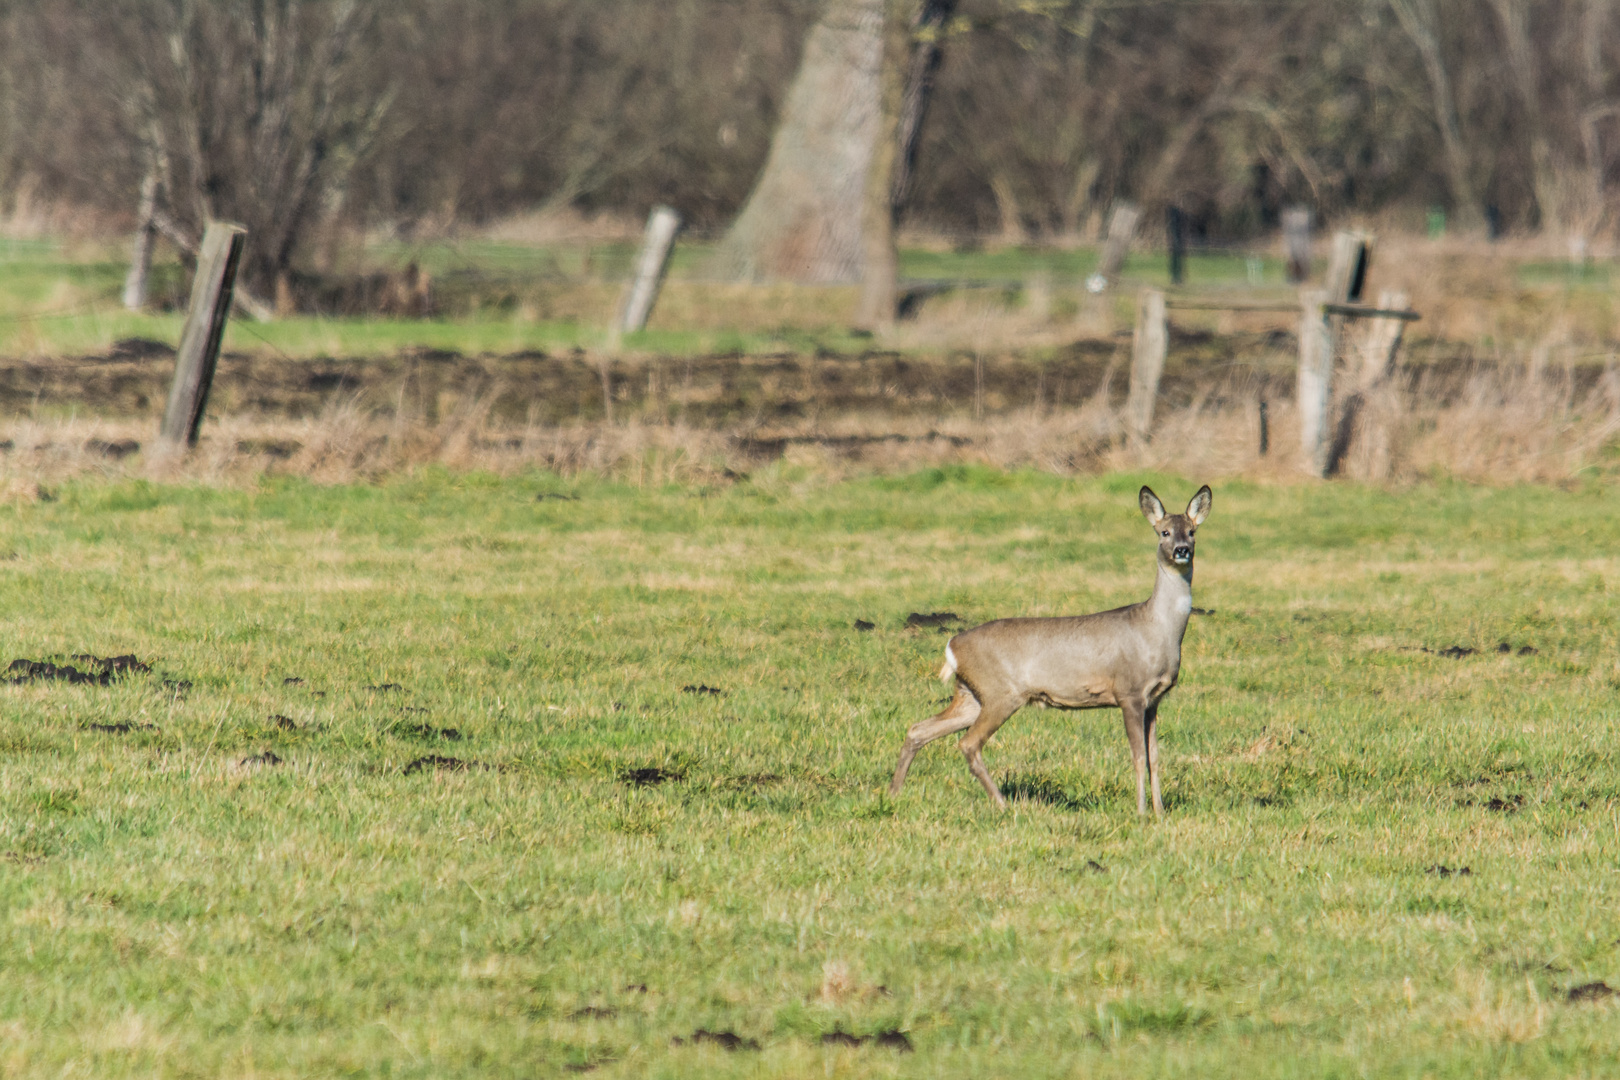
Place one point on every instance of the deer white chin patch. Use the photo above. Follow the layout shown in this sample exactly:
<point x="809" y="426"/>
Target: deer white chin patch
<point x="1183" y="605"/>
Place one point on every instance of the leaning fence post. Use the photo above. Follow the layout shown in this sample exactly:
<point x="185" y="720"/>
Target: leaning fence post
<point x="662" y="225"/>
<point x="1149" y="345"/>
<point x="204" y="331"/>
<point x="1121" y="228"/>
<point x="1382" y="340"/>
<point x="1314" y="387"/>
<point x="1347" y="267"/>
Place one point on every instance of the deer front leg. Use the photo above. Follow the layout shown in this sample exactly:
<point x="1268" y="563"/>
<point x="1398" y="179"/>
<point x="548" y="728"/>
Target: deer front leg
<point x="1135" y="730"/>
<point x="959" y="714"/>
<point x="1151" y="722"/>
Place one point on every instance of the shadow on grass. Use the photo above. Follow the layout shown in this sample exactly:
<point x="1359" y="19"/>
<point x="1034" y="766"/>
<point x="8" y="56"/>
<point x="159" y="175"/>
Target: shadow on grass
<point x="1034" y="787"/>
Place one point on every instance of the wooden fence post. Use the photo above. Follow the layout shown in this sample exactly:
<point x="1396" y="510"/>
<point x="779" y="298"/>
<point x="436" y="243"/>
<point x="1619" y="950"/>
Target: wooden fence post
<point x="1382" y="340"/>
<point x="662" y="225"/>
<point x="1149" y="345"/>
<point x="1121" y="228"/>
<point x="1296" y="223"/>
<point x="1315" y="381"/>
<point x="194" y="363"/>
<point x="1347" y="267"/>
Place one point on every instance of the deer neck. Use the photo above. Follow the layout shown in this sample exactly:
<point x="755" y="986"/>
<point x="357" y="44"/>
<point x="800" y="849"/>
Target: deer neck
<point x="1171" y="603"/>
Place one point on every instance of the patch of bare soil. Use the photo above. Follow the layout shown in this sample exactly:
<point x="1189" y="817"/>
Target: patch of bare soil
<point x="726" y="1040"/>
<point x="99" y="671"/>
<point x="1592" y="991"/>
<point x="438" y="763"/>
<point x="650" y="776"/>
<point x="893" y="1040"/>
<point x="132" y="379"/>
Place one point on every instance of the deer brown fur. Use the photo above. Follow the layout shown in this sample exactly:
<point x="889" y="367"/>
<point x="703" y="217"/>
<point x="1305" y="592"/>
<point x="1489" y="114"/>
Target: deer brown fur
<point x="1127" y="658"/>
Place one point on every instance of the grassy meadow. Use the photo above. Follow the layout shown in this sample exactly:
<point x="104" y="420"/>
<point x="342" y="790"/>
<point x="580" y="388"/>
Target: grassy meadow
<point x="1383" y="855"/>
<point x="507" y="296"/>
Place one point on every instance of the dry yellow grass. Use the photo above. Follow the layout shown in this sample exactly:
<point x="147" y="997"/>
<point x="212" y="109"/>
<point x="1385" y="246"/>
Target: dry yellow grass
<point x="1508" y="424"/>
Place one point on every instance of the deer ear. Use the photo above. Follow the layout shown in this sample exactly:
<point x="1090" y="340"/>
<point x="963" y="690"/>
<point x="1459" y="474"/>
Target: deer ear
<point x="1152" y="508"/>
<point x="1198" y="509"/>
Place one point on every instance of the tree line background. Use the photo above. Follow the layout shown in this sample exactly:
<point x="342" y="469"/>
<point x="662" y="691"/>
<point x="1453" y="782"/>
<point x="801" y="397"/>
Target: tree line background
<point x="301" y="117"/>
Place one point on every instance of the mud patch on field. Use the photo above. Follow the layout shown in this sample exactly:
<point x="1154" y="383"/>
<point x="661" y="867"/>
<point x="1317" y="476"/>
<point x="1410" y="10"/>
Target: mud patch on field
<point x="651" y="775"/>
<point x="594" y="1012"/>
<point x="891" y="1040"/>
<point x="942" y="621"/>
<point x="427" y="731"/>
<point x="702" y="690"/>
<point x="121" y="728"/>
<point x="1592" y="991"/>
<point x="96" y="670"/>
<point x="439" y="763"/>
<point x="726" y="1040"/>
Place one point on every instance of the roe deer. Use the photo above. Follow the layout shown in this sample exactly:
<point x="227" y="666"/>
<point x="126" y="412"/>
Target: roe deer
<point x="1128" y="657"/>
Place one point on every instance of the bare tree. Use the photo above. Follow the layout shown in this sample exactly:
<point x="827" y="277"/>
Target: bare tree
<point x="1420" y="20"/>
<point x="251" y="110"/>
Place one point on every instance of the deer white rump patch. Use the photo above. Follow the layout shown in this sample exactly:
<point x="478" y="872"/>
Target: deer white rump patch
<point x="949" y="669"/>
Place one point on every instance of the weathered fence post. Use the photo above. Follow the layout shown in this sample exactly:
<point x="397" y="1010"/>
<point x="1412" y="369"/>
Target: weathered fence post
<point x="1376" y="342"/>
<point x="1296" y="223"/>
<point x="1121" y="228"/>
<point x="1175" y="226"/>
<point x="1315" y="381"/>
<point x="662" y="225"/>
<point x="1382" y="340"/>
<point x="1148" y="348"/>
<point x="194" y="363"/>
<point x="1347" y="267"/>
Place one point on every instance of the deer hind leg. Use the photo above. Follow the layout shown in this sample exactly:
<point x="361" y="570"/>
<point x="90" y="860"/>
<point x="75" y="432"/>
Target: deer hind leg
<point x="1135" y="730"/>
<point x="959" y="714"/>
<point x="991" y="717"/>
<point x="1151" y="723"/>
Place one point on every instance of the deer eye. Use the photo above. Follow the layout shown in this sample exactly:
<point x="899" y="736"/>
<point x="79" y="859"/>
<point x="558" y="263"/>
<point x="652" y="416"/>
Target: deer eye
<point x="1165" y="534"/>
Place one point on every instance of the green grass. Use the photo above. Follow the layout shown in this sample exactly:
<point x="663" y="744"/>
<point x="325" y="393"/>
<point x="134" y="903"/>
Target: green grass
<point x="166" y="911"/>
<point x="509" y="298"/>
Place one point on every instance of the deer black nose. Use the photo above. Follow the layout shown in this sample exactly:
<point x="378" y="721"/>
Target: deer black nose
<point x="1183" y="552"/>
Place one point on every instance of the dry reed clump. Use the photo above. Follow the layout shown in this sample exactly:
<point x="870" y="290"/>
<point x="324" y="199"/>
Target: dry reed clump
<point x="1489" y="424"/>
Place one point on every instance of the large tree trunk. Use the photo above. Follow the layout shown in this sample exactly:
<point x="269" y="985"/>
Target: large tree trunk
<point x="806" y="218"/>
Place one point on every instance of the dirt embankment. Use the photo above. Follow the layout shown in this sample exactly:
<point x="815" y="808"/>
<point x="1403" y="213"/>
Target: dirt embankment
<point x="1225" y="408"/>
<point x="720" y="391"/>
